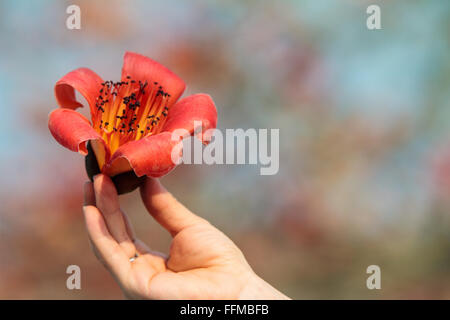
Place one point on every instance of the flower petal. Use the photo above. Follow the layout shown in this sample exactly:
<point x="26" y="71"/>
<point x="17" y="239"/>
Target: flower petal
<point x="72" y="130"/>
<point x="85" y="81"/>
<point x="139" y="67"/>
<point x="197" y="107"/>
<point x="149" y="156"/>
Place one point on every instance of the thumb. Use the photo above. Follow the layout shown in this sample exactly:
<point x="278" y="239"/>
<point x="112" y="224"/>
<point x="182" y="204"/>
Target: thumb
<point x="166" y="210"/>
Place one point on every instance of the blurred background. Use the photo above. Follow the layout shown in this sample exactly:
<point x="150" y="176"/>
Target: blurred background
<point x="364" y="120"/>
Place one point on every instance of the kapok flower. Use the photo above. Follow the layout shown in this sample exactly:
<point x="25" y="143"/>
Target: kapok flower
<point x="132" y="120"/>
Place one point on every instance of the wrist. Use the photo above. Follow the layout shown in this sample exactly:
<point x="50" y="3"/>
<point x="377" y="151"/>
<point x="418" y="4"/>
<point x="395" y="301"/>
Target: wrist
<point x="258" y="289"/>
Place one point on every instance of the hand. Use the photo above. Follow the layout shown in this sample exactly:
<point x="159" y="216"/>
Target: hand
<point x="202" y="264"/>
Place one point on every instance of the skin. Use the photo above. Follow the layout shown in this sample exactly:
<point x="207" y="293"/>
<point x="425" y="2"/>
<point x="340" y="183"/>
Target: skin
<point x="202" y="263"/>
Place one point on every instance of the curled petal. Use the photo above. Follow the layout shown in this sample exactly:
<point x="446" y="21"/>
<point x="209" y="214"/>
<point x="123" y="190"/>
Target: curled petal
<point x="85" y="81"/>
<point x="151" y="156"/>
<point x="190" y="110"/>
<point x="72" y="130"/>
<point x="139" y="67"/>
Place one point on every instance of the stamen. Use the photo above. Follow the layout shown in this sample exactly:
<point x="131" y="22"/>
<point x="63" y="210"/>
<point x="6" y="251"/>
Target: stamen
<point x="130" y="110"/>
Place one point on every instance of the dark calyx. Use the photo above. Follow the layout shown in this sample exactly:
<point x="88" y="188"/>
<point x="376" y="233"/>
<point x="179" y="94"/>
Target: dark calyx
<point x="124" y="182"/>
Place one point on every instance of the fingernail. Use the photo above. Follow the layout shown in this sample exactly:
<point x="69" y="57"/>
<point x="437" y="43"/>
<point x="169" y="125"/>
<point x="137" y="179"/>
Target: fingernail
<point x="96" y="176"/>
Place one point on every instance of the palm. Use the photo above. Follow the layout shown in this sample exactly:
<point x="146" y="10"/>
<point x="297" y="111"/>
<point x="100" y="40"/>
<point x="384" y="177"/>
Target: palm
<point x="201" y="264"/>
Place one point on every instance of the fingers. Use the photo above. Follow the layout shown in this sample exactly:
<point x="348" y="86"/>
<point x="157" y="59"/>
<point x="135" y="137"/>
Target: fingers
<point x="171" y="214"/>
<point x="88" y="194"/>
<point x="129" y="227"/>
<point x="105" y="246"/>
<point x="143" y="249"/>
<point x="107" y="201"/>
<point x="89" y="199"/>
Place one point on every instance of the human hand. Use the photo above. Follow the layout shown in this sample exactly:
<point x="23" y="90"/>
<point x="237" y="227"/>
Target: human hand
<point x="203" y="263"/>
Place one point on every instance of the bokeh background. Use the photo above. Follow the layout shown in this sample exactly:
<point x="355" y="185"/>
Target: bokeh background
<point x="364" y="120"/>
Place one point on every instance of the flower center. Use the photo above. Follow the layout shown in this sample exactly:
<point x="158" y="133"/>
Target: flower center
<point x="129" y="110"/>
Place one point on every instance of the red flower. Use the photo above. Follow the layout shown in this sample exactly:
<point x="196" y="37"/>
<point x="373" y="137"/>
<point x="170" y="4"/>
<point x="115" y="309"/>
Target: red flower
<point x="132" y="120"/>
